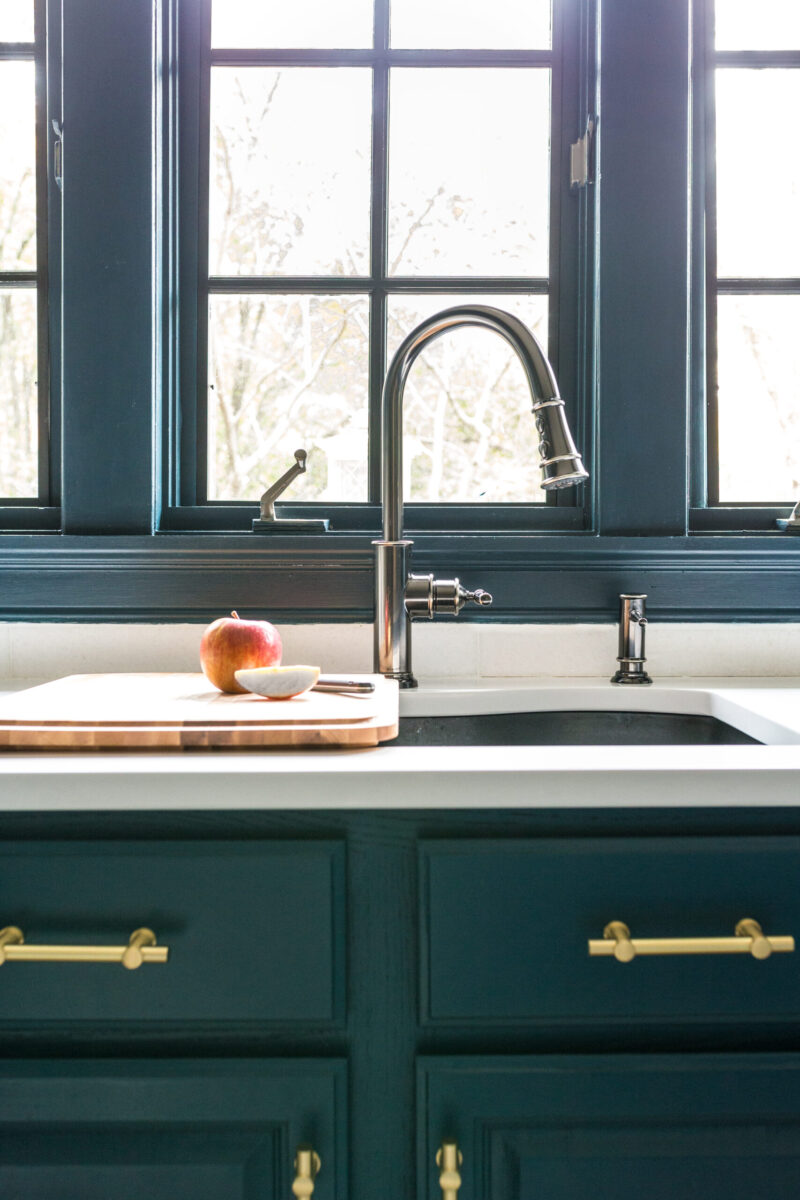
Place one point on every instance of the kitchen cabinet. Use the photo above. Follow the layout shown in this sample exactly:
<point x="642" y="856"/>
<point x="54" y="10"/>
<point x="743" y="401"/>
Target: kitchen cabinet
<point x="377" y="984"/>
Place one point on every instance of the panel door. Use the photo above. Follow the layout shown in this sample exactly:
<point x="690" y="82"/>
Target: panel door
<point x="223" y="1130"/>
<point x="625" y="1127"/>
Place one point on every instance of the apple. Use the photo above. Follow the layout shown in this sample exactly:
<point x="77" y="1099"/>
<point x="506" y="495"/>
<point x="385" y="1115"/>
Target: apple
<point x="231" y="644"/>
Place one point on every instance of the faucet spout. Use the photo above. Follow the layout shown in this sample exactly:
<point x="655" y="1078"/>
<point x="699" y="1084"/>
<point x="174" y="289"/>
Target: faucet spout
<point x="400" y="596"/>
<point x="561" y="464"/>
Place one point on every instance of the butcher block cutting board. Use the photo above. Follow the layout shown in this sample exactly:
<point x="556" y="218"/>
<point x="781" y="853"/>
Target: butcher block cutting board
<point x="184" y="712"/>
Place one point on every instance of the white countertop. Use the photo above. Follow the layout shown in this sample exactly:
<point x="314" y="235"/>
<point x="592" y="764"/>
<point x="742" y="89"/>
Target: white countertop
<point x="465" y="777"/>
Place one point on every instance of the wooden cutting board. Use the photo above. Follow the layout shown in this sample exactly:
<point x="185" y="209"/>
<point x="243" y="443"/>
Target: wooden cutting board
<point x="181" y="712"/>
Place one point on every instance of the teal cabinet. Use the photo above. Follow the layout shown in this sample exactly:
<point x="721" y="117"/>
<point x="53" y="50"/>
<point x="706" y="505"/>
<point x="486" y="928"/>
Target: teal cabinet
<point x="376" y="984"/>
<point x="202" y="1129"/>
<point x="242" y="922"/>
<point x="505" y="926"/>
<point x="613" y="1127"/>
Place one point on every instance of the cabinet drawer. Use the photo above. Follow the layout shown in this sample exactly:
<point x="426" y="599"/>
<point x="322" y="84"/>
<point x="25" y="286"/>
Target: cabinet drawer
<point x="506" y="926"/>
<point x="721" y="1127"/>
<point x="254" y="930"/>
<point x="223" y="1130"/>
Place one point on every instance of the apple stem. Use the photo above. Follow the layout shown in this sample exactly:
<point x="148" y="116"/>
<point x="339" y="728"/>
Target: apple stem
<point x="235" y="615"/>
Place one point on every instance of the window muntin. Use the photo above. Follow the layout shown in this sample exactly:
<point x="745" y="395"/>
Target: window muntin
<point x="754" y="258"/>
<point x="291" y="233"/>
<point x="22" y="313"/>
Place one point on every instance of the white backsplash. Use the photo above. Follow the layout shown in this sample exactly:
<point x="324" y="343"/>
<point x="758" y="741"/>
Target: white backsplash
<point x="466" y="651"/>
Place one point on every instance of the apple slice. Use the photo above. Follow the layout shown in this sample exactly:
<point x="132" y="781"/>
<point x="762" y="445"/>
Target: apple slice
<point x="278" y="683"/>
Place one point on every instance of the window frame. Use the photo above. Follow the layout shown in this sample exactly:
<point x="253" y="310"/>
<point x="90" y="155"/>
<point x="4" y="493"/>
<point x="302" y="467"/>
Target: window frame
<point x="708" y="513"/>
<point x="569" y="260"/>
<point x="41" y="511"/>
<point x="116" y="557"/>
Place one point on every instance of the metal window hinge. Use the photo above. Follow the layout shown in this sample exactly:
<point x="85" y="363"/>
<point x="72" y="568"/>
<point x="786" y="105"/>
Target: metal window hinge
<point x="581" y="166"/>
<point x="58" y="154"/>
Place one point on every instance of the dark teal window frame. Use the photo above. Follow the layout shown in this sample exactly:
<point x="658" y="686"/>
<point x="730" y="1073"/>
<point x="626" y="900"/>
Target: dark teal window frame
<point x="126" y="551"/>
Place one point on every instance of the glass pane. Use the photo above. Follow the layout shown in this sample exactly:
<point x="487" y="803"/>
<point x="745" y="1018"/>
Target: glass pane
<point x="471" y="24"/>
<point x="759" y="398"/>
<point x="469" y="167"/>
<point x="758" y="174"/>
<point x="286" y="372"/>
<point x="17" y="167"/>
<point x="766" y="25"/>
<point x="300" y="24"/>
<point x="469" y="432"/>
<point x="290" y="171"/>
<point x="19" y="412"/>
<point x="16" y="21"/>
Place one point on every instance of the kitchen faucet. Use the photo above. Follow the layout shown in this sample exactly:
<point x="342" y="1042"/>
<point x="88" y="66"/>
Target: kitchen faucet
<point x="400" y="596"/>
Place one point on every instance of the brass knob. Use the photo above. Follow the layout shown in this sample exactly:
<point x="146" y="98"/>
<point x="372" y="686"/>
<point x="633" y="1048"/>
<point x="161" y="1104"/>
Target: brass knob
<point x="10" y="936"/>
<point x="760" y="946"/>
<point x="449" y="1158"/>
<point x="306" y="1166"/>
<point x="617" y="931"/>
<point x="133" y="957"/>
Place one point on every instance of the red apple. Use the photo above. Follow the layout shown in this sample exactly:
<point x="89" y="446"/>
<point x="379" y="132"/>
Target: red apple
<point x="231" y="644"/>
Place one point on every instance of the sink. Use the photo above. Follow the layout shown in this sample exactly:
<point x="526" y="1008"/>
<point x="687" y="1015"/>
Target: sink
<point x="567" y="728"/>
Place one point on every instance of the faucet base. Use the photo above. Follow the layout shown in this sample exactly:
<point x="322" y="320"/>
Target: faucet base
<point x="404" y="678"/>
<point x="634" y="673"/>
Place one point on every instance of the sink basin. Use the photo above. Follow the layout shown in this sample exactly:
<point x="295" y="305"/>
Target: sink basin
<point x="597" y="728"/>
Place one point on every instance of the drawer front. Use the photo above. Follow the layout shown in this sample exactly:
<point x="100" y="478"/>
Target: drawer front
<point x="255" y="931"/>
<point x="506" y="926"/>
<point x="224" y="1130"/>
<point x="720" y="1127"/>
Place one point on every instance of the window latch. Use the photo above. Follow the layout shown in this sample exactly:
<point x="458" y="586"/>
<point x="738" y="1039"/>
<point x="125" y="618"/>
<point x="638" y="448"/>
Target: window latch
<point x="58" y="154"/>
<point x="580" y="158"/>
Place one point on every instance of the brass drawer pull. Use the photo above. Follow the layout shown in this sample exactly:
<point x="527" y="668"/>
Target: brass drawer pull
<point x="449" y="1158"/>
<point x="750" y="939"/>
<point x="306" y="1166"/>
<point x="141" y="948"/>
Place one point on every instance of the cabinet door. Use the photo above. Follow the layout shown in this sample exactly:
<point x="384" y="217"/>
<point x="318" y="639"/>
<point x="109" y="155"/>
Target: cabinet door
<point x="254" y="930"/>
<point x="711" y="1127"/>
<point x="506" y="925"/>
<point x="223" y="1130"/>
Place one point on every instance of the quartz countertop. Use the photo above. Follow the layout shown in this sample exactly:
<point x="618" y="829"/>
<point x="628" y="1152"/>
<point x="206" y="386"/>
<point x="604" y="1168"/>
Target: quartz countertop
<point x="514" y="777"/>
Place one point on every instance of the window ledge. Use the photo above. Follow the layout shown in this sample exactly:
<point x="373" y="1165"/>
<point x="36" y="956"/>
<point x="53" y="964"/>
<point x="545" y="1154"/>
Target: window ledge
<point x="533" y="577"/>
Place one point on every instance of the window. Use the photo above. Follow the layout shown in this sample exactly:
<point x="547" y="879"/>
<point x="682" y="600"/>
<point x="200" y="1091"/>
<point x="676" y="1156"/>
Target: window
<point x="195" y="343"/>
<point x="754" y="255"/>
<point x="24" y="400"/>
<point x="355" y="175"/>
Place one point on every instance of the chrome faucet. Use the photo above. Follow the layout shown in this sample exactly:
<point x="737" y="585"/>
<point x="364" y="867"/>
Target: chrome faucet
<point x="632" y="624"/>
<point x="401" y="597"/>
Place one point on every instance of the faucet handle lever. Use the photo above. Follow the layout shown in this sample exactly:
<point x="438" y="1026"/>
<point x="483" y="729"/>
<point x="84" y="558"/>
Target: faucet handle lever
<point x="280" y="485"/>
<point x="426" y="596"/>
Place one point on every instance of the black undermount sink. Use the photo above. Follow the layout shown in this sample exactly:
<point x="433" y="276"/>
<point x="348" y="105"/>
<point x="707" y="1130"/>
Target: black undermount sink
<point x="570" y="729"/>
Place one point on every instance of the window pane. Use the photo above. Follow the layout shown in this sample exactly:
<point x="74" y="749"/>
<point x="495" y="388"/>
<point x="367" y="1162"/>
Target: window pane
<point x="286" y="372"/>
<point x="469" y="432"/>
<point x="17" y="167"/>
<point x="765" y="25"/>
<point x="290" y="171"/>
<point x="471" y="24"/>
<point x="19" y="420"/>
<point x="759" y="398"/>
<point x="758" y="174"/>
<point x="302" y="24"/>
<point x="16" y="20"/>
<point x="468" y="191"/>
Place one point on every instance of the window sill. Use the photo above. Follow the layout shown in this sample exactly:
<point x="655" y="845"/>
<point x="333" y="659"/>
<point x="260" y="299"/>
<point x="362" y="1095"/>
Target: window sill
<point x="533" y="577"/>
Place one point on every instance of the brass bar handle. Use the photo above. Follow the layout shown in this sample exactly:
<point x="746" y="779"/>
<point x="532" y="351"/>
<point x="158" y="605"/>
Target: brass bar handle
<point x="141" y="948"/>
<point x="306" y="1167"/>
<point x="449" y="1158"/>
<point x="749" y="939"/>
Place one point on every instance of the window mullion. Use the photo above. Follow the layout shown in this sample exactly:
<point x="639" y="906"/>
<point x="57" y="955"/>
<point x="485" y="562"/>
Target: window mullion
<point x="643" y="293"/>
<point x="108" y="368"/>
